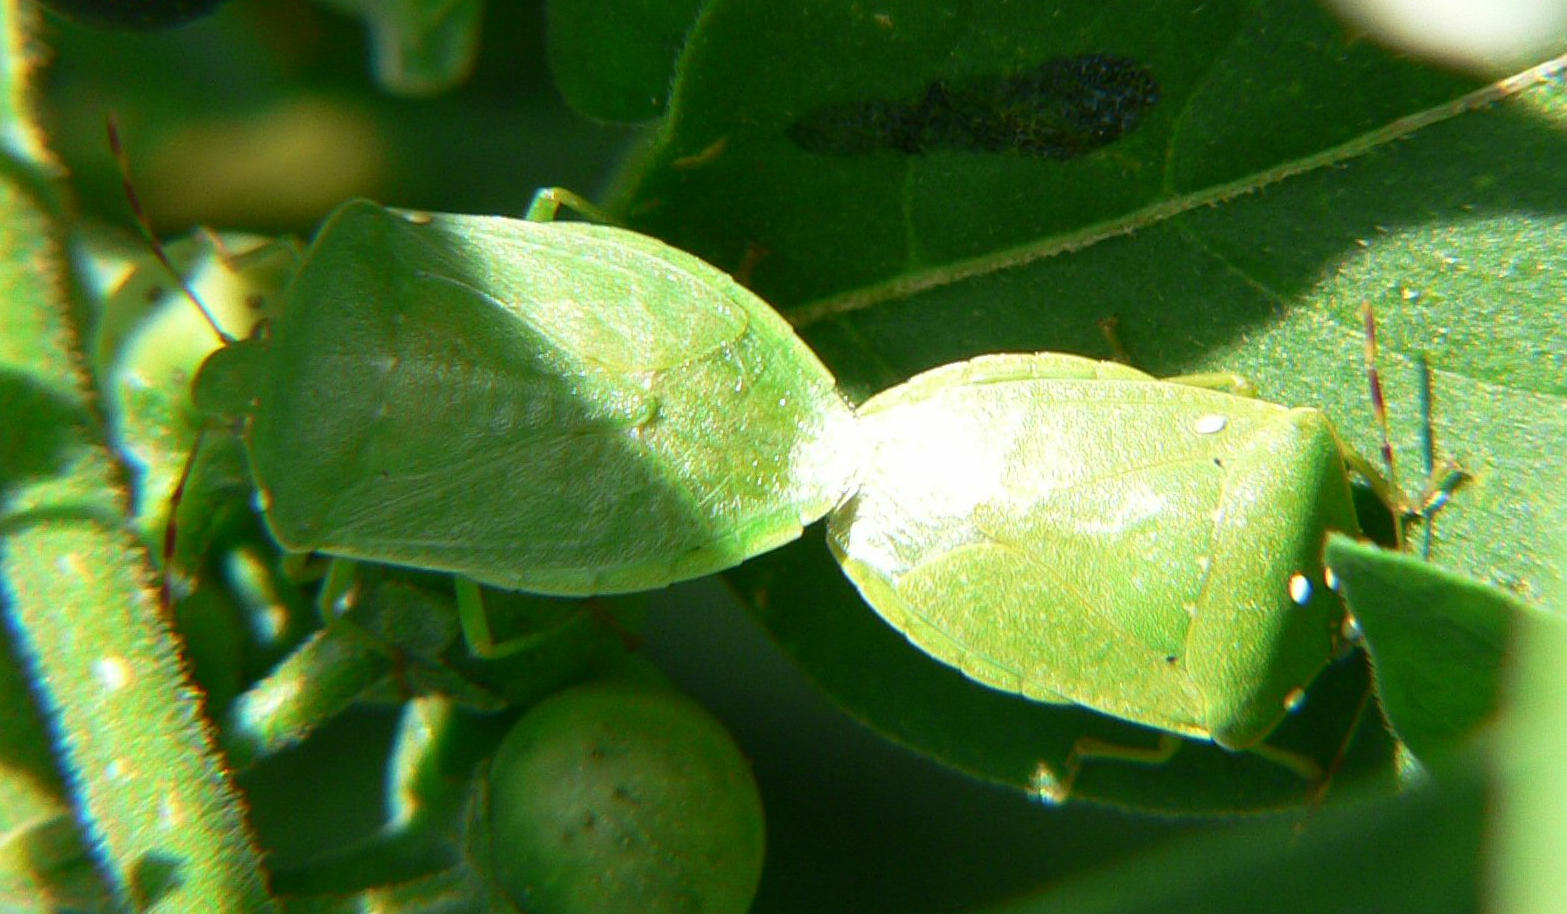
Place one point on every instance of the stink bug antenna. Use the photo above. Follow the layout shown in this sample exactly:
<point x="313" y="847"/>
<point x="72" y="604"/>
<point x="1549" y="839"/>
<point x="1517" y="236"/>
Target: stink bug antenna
<point x="170" y="530"/>
<point x="170" y="535"/>
<point x="152" y="238"/>
<point x="1442" y="479"/>
<point x="1378" y="401"/>
<point x="1428" y="456"/>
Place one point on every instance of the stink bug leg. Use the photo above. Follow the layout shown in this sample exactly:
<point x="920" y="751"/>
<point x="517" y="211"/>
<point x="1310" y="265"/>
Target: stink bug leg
<point x="547" y="201"/>
<point x="475" y="620"/>
<point x="1441" y="479"/>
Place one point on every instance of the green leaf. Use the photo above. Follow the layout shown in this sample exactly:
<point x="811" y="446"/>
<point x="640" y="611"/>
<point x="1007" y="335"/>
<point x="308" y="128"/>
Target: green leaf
<point x="1532" y="821"/>
<point x="1439" y="642"/>
<point x="420" y="47"/>
<point x="1286" y="176"/>
<point x="615" y="61"/>
<point x="1431" y="838"/>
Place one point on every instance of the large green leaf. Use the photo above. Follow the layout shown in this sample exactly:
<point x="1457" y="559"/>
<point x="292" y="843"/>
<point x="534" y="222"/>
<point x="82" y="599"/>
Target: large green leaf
<point x="1532" y="809"/>
<point x="1439" y="644"/>
<point x="1286" y="176"/>
<point x="1431" y="838"/>
<point x="613" y="61"/>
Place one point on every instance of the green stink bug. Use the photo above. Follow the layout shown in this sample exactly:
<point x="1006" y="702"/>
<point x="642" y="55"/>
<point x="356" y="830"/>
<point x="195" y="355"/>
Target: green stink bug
<point x="564" y="408"/>
<point x="1078" y="532"/>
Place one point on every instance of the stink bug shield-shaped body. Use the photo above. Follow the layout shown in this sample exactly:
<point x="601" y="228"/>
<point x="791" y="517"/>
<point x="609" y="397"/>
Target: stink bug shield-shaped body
<point x="1079" y="532"/>
<point x="561" y="408"/>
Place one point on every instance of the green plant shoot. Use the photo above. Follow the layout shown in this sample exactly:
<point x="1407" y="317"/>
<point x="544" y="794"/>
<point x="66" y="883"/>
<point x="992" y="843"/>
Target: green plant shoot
<point x="576" y="409"/>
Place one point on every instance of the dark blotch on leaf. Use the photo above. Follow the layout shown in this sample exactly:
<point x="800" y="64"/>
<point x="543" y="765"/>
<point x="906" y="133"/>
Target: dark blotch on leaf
<point x="1061" y="109"/>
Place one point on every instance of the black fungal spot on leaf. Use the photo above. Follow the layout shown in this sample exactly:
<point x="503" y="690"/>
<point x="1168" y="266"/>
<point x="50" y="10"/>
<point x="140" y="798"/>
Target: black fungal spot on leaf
<point x="1061" y="109"/>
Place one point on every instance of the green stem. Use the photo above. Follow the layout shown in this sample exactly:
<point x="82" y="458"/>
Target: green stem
<point x="317" y="682"/>
<point x="159" y="812"/>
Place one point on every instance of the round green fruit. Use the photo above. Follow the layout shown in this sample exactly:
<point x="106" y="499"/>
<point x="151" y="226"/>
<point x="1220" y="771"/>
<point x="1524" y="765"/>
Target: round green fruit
<point x="620" y="797"/>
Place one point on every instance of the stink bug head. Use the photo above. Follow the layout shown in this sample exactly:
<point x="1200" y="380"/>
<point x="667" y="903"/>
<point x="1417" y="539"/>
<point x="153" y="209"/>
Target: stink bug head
<point x="165" y="318"/>
<point x="227" y="380"/>
<point x="150" y="342"/>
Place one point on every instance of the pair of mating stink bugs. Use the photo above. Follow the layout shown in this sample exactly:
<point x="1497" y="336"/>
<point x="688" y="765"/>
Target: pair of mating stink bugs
<point x="571" y="409"/>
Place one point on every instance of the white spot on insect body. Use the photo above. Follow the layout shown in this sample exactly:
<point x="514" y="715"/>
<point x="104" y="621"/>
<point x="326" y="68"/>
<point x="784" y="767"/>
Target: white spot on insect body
<point x="1330" y="579"/>
<point x="1294" y="699"/>
<point x="1300" y="589"/>
<point x="112" y="672"/>
<point x="1350" y="630"/>
<point x="1210" y="424"/>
